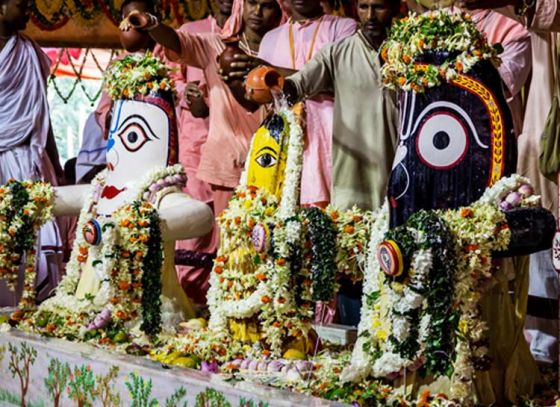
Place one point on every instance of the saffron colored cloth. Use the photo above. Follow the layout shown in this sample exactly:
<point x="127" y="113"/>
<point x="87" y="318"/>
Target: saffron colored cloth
<point x="25" y="123"/>
<point x="231" y="127"/>
<point x="193" y="133"/>
<point x="516" y="58"/>
<point x="308" y="38"/>
<point x="365" y="119"/>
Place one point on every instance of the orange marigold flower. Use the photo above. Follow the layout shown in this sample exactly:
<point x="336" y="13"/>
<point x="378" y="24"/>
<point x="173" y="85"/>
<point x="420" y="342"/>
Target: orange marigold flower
<point x="266" y="299"/>
<point x="349" y="229"/>
<point x="466" y="213"/>
<point x="261" y="277"/>
<point x="123" y="285"/>
<point x="218" y="269"/>
<point x="281" y="262"/>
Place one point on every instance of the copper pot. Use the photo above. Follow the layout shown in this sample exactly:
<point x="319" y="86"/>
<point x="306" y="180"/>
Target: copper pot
<point x="134" y="40"/>
<point x="260" y="83"/>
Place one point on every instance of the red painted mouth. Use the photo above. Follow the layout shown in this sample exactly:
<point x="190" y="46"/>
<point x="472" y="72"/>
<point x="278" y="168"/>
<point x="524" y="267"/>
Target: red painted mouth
<point x="110" y="192"/>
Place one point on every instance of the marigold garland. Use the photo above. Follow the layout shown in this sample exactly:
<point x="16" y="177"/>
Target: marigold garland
<point x="128" y="263"/>
<point x="137" y="75"/>
<point x="25" y="206"/>
<point x="451" y="34"/>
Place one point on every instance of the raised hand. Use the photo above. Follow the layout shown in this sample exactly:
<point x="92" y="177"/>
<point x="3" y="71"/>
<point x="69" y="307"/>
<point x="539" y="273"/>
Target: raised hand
<point x="195" y="100"/>
<point x="239" y="67"/>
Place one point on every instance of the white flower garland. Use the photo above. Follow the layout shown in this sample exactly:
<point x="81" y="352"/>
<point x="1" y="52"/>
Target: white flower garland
<point x="81" y="311"/>
<point x="478" y="231"/>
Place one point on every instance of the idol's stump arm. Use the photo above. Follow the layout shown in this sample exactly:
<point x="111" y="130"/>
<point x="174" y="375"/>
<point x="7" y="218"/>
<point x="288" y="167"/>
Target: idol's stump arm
<point x="181" y="216"/>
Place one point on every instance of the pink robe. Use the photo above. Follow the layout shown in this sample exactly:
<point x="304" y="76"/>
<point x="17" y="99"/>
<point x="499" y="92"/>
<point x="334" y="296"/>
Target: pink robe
<point x="24" y="124"/>
<point x="193" y="133"/>
<point x="516" y="58"/>
<point x="316" y="178"/>
<point x="231" y="127"/>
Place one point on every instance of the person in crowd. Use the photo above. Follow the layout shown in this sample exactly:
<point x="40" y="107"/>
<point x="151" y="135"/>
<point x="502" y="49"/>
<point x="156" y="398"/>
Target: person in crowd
<point x="230" y="126"/>
<point x="27" y="145"/>
<point x="290" y="47"/>
<point x="194" y="257"/>
<point x="542" y="17"/>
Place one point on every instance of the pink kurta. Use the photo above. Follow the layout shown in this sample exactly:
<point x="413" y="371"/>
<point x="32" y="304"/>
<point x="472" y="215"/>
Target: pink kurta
<point x="308" y="38"/>
<point x="516" y="58"/>
<point x="193" y="133"/>
<point x="230" y="125"/>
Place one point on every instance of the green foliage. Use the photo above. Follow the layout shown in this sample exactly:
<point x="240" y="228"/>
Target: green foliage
<point x="81" y="386"/>
<point x="151" y="278"/>
<point x="140" y="391"/>
<point x="176" y="398"/>
<point x="104" y="390"/>
<point x="211" y="398"/>
<point x="250" y="403"/>
<point x="55" y="382"/>
<point x="322" y="235"/>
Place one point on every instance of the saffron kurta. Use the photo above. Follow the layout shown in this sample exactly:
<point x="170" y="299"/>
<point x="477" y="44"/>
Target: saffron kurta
<point x="193" y="133"/>
<point x="283" y="50"/>
<point x="365" y="119"/>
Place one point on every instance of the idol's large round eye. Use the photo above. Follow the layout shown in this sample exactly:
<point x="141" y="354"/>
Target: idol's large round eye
<point x="266" y="160"/>
<point x="134" y="133"/>
<point x="442" y="141"/>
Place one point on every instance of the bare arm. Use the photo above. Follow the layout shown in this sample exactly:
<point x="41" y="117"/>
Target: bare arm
<point x="167" y="37"/>
<point x="161" y="33"/>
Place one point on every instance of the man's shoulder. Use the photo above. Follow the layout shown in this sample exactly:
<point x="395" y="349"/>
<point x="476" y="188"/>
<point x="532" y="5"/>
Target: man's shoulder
<point x="343" y="22"/>
<point x="341" y="45"/>
<point x="275" y="32"/>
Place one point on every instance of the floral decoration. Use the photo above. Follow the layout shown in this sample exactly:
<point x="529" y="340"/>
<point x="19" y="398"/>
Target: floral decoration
<point x="25" y="206"/>
<point x="136" y="75"/>
<point x="413" y="321"/>
<point x="128" y="263"/>
<point x="412" y="37"/>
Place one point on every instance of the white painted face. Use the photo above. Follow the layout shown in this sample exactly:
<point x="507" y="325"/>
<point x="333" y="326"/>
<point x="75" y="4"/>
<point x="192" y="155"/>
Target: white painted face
<point x="139" y="141"/>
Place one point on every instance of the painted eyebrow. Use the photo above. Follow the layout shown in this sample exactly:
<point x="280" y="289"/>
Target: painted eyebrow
<point x="267" y="148"/>
<point x="138" y="117"/>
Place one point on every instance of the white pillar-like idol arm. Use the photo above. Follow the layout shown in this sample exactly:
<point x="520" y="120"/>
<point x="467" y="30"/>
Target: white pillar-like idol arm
<point x="183" y="217"/>
<point x="69" y="200"/>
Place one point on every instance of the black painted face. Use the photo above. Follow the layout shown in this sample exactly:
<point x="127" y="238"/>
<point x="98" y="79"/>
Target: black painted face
<point x="455" y="140"/>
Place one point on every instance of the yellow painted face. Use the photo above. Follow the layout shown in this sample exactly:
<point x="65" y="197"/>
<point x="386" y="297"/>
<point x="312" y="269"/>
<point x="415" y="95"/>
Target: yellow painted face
<point x="268" y="155"/>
